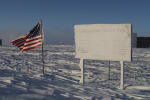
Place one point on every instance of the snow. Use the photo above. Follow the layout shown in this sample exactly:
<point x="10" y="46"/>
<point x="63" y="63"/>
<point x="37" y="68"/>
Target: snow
<point x="21" y="76"/>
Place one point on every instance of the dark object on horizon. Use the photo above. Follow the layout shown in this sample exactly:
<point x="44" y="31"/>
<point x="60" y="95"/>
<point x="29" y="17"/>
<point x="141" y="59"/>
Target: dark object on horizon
<point x="143" y="42"/>
<point x="0" y="42"/>
<point x="61" y="43"/>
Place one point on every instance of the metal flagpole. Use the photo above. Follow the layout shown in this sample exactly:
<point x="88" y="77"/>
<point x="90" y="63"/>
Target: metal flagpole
<point x="41" y="31"/>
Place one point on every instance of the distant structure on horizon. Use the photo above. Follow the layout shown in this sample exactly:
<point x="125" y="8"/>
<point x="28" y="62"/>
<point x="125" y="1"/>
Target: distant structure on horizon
<point x="140" y="41"/>
<point x="61" y="43"/>
<point x="143" y="42"/>
<point x="134" y="40"/>
<point x="0" y="42"/>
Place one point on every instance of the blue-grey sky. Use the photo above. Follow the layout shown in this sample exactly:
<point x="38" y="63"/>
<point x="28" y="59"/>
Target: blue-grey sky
<point x="17" y="17"/>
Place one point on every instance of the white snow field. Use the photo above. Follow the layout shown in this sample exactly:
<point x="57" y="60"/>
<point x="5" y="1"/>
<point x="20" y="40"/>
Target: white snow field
<point x="21" y="76"/>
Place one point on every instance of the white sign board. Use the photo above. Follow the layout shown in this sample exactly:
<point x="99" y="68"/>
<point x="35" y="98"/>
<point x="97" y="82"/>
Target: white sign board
<point x="103" y="41"/>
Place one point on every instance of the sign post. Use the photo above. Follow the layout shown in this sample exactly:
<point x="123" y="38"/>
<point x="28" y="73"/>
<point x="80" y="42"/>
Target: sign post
<point x="82" y="70"/>
<point x="108" y="70"/>
<point x="122" y="76"/>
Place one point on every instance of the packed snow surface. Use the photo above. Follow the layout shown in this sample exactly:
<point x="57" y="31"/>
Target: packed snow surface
<point x="21" y="76"/>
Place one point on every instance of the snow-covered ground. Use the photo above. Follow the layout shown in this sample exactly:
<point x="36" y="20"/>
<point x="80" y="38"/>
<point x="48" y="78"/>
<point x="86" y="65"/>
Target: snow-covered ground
<point x="21" y="76"/>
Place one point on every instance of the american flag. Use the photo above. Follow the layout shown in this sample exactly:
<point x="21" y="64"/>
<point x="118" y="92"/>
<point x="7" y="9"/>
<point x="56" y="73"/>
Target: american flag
<point x="31" y="40"/>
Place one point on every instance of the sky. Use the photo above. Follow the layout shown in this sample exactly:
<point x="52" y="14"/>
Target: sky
<point x="17" y="17"/>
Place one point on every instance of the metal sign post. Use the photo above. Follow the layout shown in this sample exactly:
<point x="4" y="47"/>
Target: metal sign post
<point x="82" y="70"/>
<point x="122" y="76"/>
<point x="108" y="70"/>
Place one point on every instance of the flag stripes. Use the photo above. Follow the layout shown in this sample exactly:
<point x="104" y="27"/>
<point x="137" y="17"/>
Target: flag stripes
<point x="30" y="48"/>
<point x="19" y="42"/>
<point x="32" y="43"/>
<point x="31" y="40"/>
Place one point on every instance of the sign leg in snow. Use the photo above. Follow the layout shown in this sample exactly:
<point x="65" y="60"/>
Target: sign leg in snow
<point x="108" y="70"/>
<point x="82" y="70"/>
<point x="122" y="76"/>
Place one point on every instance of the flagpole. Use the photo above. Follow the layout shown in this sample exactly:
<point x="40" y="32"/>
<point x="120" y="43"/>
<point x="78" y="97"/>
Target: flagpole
<point x="41" y="31"/>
